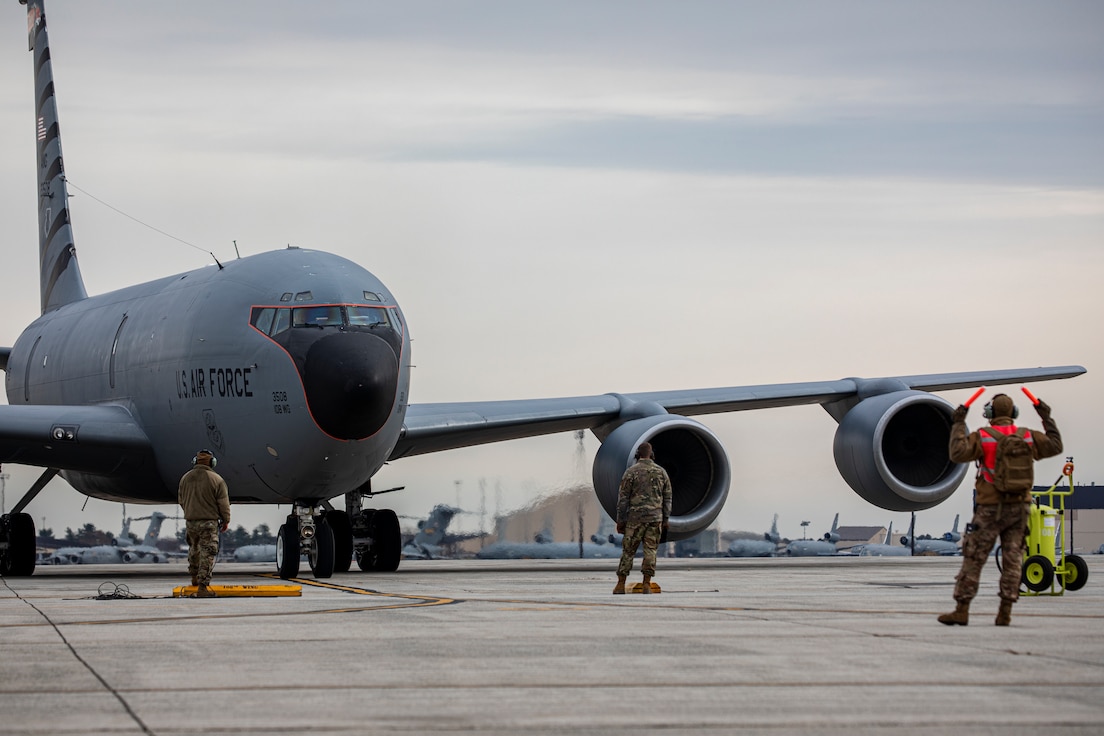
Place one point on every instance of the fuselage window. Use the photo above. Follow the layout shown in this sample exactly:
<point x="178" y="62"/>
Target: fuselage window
<point x="286" y="297"/>
<point x="304" y="296"/>
<point x="371" y="296"/>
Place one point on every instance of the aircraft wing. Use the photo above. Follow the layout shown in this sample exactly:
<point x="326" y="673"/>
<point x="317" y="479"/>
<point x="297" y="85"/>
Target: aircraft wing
<point x="90" y="439"/>
<point x="446" y="426"/>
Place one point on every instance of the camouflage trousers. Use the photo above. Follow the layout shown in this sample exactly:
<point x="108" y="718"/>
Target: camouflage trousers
<point x="1007" y="522"/>
<point x="646" y="533"/>
<point x="203" y="548"/>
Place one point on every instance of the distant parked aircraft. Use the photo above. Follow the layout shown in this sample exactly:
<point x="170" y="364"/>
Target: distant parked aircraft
<point x="125" y="549"/>
<point x="816" y="547"/>
<point x="886" y="549"/>
<point x="765" y="547"/>
<point x="947" y="545"/>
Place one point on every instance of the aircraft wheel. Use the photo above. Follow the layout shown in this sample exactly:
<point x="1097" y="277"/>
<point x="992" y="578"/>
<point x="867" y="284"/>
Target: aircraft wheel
<point x="1038" y="573"/>
<point x="343" y="540"/>
<point x="19" y="559"/>
<point x="321" y="554"/>
<point x="1077" y="573"/>
<point x="287" y="548"/>
<point x="366" y="559"/>
<point x="387" y="540"/>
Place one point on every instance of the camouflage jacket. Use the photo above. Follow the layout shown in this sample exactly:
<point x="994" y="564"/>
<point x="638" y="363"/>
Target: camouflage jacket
<point x="966" y="447"/>
<point x="203" y="495"/>
<point x="645" y="494"/>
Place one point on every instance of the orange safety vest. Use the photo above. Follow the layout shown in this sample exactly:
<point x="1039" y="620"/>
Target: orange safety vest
<point x="988" y="461"/>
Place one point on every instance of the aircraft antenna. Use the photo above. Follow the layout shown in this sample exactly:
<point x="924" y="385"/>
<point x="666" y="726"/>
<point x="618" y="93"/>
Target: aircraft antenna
<point x="236" y="251"/>
<point x="135" y="219"/>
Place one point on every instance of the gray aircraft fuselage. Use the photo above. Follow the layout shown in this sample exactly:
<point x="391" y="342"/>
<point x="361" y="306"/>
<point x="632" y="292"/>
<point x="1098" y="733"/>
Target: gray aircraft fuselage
<point x="302" y="402"/>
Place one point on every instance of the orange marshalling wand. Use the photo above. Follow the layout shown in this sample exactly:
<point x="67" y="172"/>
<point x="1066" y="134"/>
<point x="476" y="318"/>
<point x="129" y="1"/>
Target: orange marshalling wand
<point x="973" y="398"/>
<point x="1029" y="395"/>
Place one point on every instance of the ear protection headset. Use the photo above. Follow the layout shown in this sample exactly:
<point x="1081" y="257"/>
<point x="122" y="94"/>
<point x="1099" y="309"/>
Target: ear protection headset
<point x="214" y="460"/>
<point x="987" y="411"/>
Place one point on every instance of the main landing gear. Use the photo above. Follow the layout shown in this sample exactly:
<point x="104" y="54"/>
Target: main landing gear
<point x="18" y="548"/>
<point x="17" y="545"/>
<point x="330" y="538"/>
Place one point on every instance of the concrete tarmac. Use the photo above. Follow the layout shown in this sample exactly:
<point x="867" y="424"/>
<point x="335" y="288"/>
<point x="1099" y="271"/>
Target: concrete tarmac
<point x="772" y="646"/>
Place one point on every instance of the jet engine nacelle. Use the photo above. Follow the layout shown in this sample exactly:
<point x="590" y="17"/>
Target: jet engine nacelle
<point x="692" y="456"/>
<point x="129" y="557"/>
<point x="892" y="450"/>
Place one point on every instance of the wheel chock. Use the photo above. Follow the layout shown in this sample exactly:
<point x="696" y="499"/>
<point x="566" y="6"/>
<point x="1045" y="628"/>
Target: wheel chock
<point x="639" y="587"/>
<point x="241" y="591"/>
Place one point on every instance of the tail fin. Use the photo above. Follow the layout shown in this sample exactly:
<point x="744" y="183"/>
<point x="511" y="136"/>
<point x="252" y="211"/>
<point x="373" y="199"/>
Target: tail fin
<point x="154" y="530"/>
<point x="60" y="279"/>
<point x="889" y="535"/>
<point x="772" y="536"/>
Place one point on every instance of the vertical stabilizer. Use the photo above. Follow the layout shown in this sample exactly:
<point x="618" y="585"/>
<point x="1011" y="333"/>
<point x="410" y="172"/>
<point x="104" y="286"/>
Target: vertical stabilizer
<point x="60" y="279"/>
<point x="153" y="533"/>
<point x="889" y="535"/>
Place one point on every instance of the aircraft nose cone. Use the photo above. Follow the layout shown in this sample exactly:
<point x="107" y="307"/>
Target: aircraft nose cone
<point x="351" y="379"/>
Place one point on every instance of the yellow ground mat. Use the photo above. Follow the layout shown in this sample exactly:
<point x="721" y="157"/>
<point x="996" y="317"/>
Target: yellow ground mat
<point x="242" y="591"/>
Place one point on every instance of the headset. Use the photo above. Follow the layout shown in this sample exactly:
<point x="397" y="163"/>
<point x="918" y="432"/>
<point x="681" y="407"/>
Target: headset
<point x="214" y="460"/>
<point x="987" y="410"/>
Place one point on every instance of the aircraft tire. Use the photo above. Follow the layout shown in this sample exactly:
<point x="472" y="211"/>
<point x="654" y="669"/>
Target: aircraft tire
<point x="321" y="555"/>
<point x="1038" y="573"/>
<point x="287" y="549"/>
<point x="387" y="541"/>
<point x="1077" y="573"/>
<point x="19" y="560"/>
<point x="343" y="539"/>
<point x="366" y="559"/>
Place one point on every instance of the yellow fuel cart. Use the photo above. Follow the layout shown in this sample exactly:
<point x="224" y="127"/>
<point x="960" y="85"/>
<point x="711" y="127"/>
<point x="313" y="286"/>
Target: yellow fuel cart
<point x="1047" y="569"/>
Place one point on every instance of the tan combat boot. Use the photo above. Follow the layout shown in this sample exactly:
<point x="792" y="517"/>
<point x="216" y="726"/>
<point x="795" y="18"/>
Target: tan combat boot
<point x="959" y="617"/>
<point x="1004" y="615"/>
<point x="204" y="592"/>
<point x="647" y="585"/>
<point x="619" y="589"/>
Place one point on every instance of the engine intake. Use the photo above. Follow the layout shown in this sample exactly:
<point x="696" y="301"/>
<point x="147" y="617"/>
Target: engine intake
<point x="692" y="456"/>
<point x="892" y="450"/>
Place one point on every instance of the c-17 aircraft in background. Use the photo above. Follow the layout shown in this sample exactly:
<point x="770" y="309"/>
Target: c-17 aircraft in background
<point x="293" y="368"/>
<point x="125" y="549"/>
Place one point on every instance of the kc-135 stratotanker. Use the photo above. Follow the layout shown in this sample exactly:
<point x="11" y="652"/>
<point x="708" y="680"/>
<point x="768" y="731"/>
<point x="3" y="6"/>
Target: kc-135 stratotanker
<point x="293" y="368"/>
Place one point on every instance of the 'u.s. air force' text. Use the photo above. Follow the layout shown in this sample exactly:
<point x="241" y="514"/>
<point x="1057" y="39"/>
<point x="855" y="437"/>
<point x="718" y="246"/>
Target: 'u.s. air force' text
<point x="211" y="382"/>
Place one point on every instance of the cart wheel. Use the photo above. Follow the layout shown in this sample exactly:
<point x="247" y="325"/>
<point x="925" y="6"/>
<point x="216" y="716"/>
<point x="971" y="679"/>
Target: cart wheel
<point x="1038" y="573"/>
<point x="1077" y="573"/>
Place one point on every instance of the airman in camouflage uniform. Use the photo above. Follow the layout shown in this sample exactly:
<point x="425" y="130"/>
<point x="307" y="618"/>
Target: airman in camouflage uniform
<point x="996" y="514"/>
<point x="203" y="495"/>
<point x="643" y="508"/>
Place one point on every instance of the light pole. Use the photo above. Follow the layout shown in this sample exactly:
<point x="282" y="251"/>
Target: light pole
<point x="804" y="524"/>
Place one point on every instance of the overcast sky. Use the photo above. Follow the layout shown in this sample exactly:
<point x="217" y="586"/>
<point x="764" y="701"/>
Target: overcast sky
<point x="577" y="198"/>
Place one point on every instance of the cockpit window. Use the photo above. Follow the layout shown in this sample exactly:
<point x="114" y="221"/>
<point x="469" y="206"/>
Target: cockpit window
<point x="274" y="320"/>
<point x="316" y="317"/>
<point x="368" y="316"/>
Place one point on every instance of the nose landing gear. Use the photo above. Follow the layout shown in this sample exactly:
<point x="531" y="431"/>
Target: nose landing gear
<point x="330" y="538"/>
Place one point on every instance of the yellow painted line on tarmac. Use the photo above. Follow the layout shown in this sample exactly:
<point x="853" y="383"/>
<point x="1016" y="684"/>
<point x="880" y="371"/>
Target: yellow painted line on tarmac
<point x="425" y="600"/>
